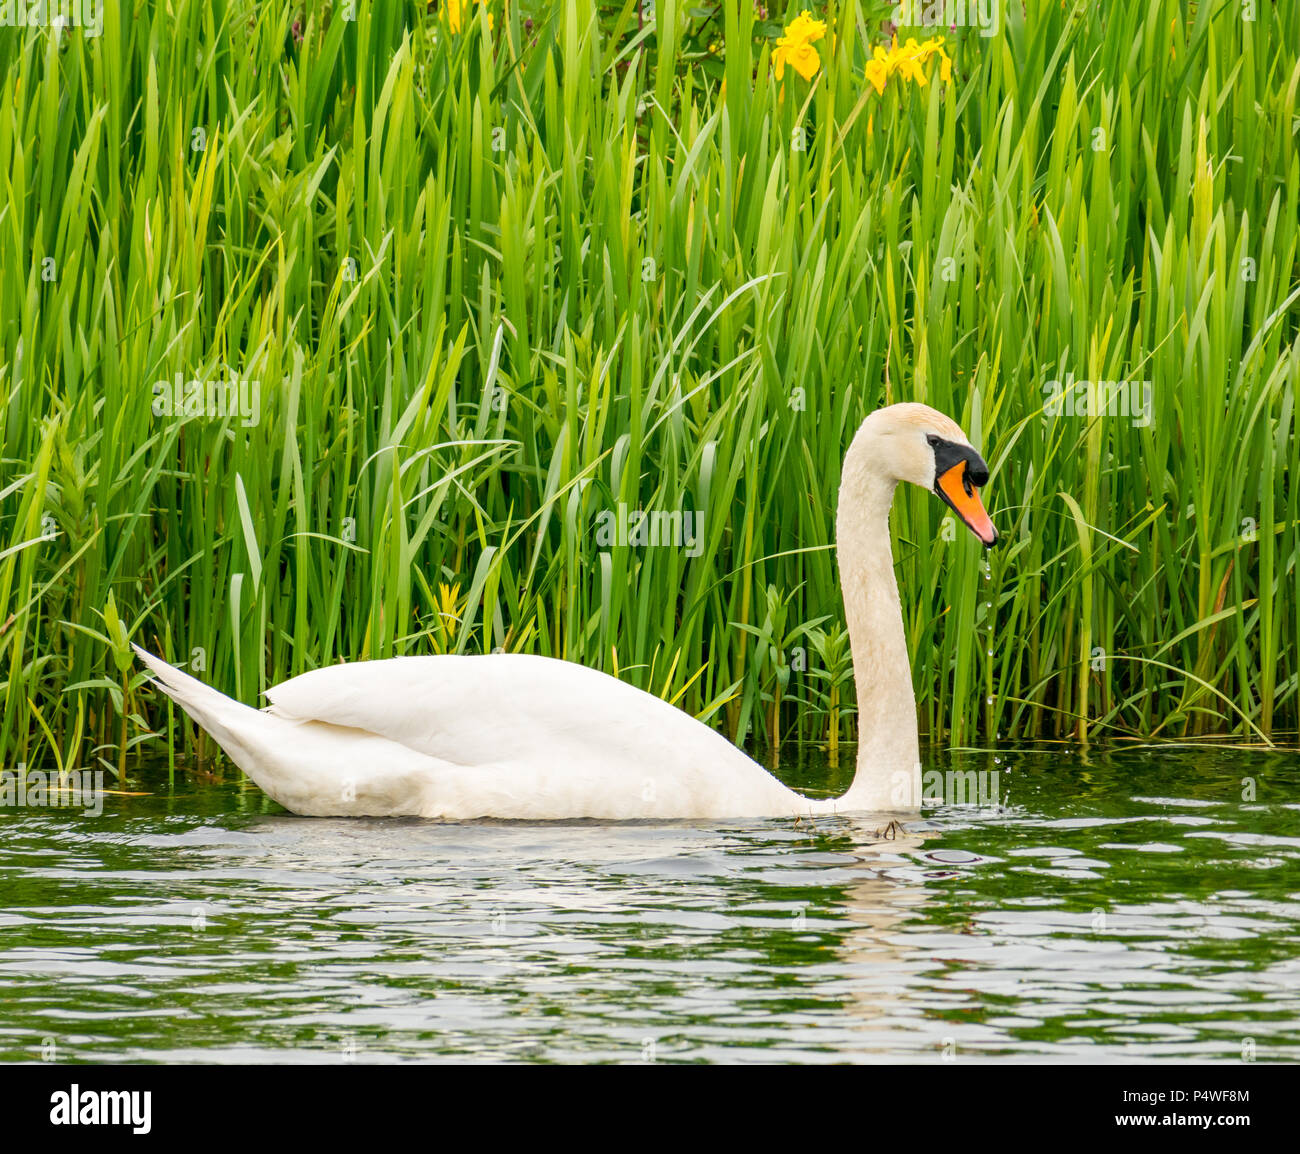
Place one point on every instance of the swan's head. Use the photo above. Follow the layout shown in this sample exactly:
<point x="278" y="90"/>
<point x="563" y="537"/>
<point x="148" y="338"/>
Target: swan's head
<point x="913" y="442"/>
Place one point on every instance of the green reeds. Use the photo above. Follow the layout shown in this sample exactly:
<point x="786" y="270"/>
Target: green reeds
<point x="494" y="285"/>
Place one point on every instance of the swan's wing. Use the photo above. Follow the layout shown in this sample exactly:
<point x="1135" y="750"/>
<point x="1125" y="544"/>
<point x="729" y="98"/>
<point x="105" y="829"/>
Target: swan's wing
<point x="519" y="736"/>
<point x="466" y="737"/>
<point x="502" y="708"/>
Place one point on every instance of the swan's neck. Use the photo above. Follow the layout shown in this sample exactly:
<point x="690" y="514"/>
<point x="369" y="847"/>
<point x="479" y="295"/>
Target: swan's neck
<point x="888" y="772"/>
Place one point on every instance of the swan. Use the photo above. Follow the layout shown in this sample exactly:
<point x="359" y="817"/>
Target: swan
<point x="525" y="737"/>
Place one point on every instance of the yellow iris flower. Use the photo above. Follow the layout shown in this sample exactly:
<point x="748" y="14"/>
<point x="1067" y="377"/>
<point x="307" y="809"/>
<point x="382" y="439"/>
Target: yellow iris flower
<point x="457" y="10"/>
<point x="796" y="49"/>
<point x="907" y="62"/>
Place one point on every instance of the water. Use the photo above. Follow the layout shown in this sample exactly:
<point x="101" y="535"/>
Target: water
<point x="1122" y="907"/>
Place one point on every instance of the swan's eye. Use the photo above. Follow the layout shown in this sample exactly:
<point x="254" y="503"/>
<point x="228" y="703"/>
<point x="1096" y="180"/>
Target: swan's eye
<point x="934" y="441"/>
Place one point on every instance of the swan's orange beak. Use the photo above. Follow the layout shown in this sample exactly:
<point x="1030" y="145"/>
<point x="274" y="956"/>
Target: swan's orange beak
<point x="955" y="487"/>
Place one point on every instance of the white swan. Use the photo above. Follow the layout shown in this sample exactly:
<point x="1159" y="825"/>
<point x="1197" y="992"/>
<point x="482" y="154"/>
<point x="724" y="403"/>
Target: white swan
<point x="536" y="738"/>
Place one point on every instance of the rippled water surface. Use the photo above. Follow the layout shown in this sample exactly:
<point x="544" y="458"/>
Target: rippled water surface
<point x="1122" y="907"/>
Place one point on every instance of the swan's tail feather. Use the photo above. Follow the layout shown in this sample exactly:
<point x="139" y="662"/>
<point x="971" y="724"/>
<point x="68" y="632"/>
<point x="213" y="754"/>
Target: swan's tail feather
<point x="223" y="717"/>
<point x="311" y="767"/>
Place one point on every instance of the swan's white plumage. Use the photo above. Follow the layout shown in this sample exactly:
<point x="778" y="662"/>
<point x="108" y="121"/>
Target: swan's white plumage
<point x="499" y="735"/>
<point x="534" y="738"/>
